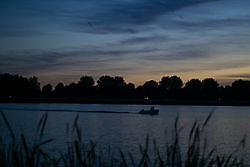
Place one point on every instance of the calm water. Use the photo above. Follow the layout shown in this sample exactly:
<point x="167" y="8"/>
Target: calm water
<point x="225" y="129"/>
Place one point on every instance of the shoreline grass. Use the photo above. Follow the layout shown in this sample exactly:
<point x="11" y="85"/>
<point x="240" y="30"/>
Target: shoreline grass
<point x="79" y="153"/>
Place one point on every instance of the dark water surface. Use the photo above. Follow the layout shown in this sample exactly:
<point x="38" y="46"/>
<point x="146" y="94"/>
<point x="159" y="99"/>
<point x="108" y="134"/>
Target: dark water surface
<point x="126" y="130"/>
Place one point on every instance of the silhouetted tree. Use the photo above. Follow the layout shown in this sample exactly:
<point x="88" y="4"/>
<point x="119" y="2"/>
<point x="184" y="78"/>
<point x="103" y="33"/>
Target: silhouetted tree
<point x="59" y="90"/>
<point x="116" y="87"/>
<point x="111" y="87"/>
<point x="150" y="89"/>
<point x="120" y="87"/>
<point x="105" y="86"/>
<point x="192" y="89"/>
<point x="139" y="92"/>
<point x="227" y="93"/>
<point x="34" y="87"/>
<point x="130" y="90"/>
<point x="105" y="82"/>
<point x="171" y="86"/>
<point x="72" y="90"/>
<point x="86" y="86"/>
<point x="18" y="86"/>
<point x="171" y="83"/>
<point x="47" y="91"/>
<point x="86" y="81"/>
<point x="209" y="89"/>
<point x="241" y="89"/>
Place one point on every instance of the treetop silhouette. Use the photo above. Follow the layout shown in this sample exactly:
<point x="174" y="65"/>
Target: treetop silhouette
<point x="108" y="87"/>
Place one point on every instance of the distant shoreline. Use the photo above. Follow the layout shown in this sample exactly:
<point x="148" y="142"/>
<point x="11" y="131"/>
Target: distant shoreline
<point x="128" y="101"/>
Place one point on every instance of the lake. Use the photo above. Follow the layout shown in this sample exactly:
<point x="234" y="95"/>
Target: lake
<point x="225" y="129"/>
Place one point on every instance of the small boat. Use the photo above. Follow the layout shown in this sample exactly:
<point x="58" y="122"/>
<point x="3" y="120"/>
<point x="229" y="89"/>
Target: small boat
<point x="152" y="111"/>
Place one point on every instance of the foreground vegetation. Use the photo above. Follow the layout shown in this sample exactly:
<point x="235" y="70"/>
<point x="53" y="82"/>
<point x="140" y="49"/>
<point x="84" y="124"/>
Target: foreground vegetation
<point x="19" y="153"/>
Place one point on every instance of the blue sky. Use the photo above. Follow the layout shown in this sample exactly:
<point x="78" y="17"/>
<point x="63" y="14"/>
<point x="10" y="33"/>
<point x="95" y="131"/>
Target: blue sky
<point x="61" y="40"/>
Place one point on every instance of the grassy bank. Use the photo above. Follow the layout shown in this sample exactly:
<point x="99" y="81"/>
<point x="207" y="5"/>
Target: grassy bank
<point x="79" y="153"/>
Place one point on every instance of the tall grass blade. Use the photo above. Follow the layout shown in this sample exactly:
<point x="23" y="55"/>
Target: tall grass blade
<point x="43" y="124"/>
<point x="8" y="125"/>
<point x="207" y="120"/>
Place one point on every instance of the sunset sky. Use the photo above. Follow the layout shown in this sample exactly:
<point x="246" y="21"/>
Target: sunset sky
<point x="61" y="40"/>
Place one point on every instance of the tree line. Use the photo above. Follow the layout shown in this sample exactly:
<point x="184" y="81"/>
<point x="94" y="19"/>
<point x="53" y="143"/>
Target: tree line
<point x="108" y="87"/>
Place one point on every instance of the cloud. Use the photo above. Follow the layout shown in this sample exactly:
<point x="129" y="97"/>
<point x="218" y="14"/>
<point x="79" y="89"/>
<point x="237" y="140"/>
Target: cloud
<point x="140" y="40"/>
<point x="18" y="32"/>
<point x="181" y="54"/>
<point x="242" y="75"/>
<point x="47" y="60"/>
<point x="211" y="24"/>
<point x="116" y="16"/>
<point x="199" y="66"/>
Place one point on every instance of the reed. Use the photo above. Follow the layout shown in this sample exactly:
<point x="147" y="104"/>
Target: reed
<point x="79" y="153"/>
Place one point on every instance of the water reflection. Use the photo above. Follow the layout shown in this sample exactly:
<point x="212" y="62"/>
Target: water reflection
<point x="225" y="129"/>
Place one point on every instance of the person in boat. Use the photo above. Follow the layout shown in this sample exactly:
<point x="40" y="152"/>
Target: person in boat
<point x="151" y="111"/>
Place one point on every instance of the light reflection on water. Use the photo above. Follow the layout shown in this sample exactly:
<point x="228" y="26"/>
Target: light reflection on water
<point x="225" y="129"/>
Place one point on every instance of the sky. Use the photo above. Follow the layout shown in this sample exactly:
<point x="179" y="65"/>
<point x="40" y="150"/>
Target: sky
<point x="140" y="40"/>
